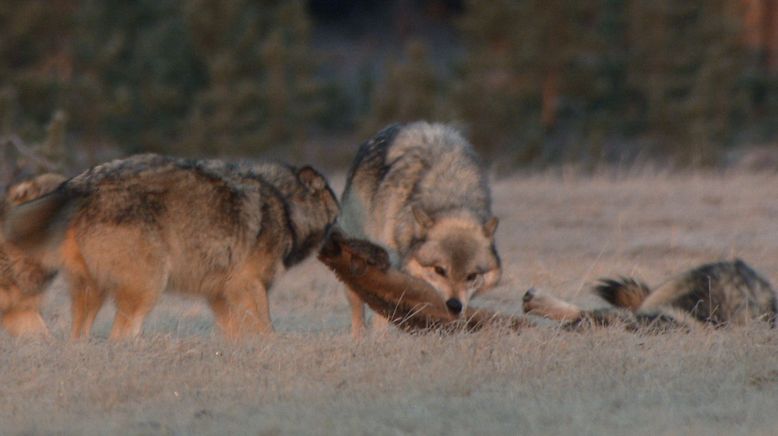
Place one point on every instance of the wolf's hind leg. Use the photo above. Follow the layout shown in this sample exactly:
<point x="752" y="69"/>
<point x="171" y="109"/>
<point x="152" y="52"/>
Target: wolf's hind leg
<point x="542" y="304"/>
<point x="662" y="296"/>
<point x="379" y="324"/>
<point x="357" y="313"/>
<point x="86" y="300"/>
<point x="132" y="306"/>
<point x="24" y="319"/>
<point x="242" y="310"/>
<point x="221" y="312"/>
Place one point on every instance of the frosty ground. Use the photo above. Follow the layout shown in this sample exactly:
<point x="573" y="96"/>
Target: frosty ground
<point x="559" y="232"/>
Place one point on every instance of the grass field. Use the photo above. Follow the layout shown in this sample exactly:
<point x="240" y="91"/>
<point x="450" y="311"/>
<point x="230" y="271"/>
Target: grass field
<point x="558" y="233"/>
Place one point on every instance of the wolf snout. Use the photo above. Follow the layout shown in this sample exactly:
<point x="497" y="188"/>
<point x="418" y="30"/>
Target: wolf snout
<point x="454" y="305"/>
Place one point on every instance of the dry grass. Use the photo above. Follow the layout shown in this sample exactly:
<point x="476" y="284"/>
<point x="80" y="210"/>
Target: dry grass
<point x="557" y="233"/>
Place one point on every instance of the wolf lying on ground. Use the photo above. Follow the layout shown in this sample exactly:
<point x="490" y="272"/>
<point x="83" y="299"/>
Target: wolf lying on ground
<point x="135" y="227"/>
<point x="420" y="192"/>
<point x="22" y="278"/>
<point x="716" y="294"/>
<point x="409" y="303"/>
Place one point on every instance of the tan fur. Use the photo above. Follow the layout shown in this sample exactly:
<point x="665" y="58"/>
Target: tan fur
<point x="420" y="192"/>
<point x="135" y="227"/>
<point x="717" y="294"/>
<point x="22" y="278"/>
<point x="547" y="306"/>
<point x="406" y="301"/>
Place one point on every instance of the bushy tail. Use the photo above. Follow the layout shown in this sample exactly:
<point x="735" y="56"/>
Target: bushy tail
<point x="37" y="224"/>
<point x="624" y="292"/>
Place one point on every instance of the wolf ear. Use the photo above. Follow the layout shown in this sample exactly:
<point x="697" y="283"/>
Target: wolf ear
<point x="311" y="178"/>
<point x="422" y="218"/>
<point x="491" y="226"/>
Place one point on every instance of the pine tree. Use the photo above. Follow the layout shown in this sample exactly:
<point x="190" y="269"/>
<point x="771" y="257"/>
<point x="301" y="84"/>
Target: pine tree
<point x="687" y="64"/>
<point x="261" y="90"/>
<point x="410" y="91"/>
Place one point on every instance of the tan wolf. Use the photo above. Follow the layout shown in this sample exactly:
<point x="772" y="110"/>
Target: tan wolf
<point x="717" y="294"/>
<point x="135" y="227"/>
<point x="419" y="191"/>
<point x="22" y="278"/>
<point x="408" y="302"/>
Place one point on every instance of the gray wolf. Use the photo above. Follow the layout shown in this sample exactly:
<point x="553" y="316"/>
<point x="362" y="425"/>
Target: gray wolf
<point x="717" y="294"/>
<point x="133" y="228"/>
<point x="22" y="278"/>
<point x="420" y="192"/>
<point x="408" y="302"/>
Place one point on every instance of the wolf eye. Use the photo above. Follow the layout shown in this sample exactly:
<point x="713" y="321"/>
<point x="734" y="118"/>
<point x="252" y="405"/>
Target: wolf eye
<point x="439" y="270"/>
<point x="471" y="277"/>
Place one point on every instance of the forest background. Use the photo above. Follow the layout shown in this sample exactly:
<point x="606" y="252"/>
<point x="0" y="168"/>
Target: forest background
<point x="533" y="82"/>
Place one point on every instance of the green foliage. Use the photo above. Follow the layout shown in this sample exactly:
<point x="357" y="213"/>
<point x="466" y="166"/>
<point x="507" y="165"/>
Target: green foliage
<point x="410" y="91"/>
<point x="199" y="76"/>
<point x="538" y="81"/>
<point x="687" y="63"/>
<point x="556" y="79"/>
<point x="261" y="89"/>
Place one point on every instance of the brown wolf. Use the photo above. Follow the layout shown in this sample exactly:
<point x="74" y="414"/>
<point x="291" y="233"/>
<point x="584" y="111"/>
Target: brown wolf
<point x="135" y="227"/>
<point x="410" y="303"/>
<point x="419" y="191"/>
<point x="22" y="278"/>
<point x="717" y="294"/>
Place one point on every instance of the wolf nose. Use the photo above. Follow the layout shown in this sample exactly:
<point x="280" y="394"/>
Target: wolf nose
<point x="454" y="305"/>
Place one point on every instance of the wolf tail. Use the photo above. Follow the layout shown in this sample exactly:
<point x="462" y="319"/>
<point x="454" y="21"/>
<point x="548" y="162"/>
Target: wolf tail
<point x="623" y="292"/>
<point x="41" y="223"/>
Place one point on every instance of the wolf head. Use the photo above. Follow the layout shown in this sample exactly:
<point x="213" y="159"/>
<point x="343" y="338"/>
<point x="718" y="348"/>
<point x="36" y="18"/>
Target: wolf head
<point x="456" y="254"/>
<point x="313" y="208"/>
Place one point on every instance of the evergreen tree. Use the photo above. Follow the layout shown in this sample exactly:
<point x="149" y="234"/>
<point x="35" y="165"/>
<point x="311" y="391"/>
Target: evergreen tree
<point x="410" y="91"/>
<point x="687" y="62"/>
<point x="261" y="90"/>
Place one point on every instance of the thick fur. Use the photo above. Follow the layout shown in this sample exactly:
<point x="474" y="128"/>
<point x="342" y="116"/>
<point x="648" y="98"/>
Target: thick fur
<point x="407" y="302"/>
<point x="716" y="294"/>
<point x="22" y="278"/>
<point x="574" y="318"/>
<point x="135" y="227"/>
<point x="623" y="292"/>
<point x="419" y="191"/>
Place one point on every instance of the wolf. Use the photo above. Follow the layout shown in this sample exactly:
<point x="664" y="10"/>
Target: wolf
<point x="420" y="192"/>
<point x="408" y="302"/>
<point x="135" y="227"/>
<point x="716" y="294"/>
<point x="22" y="278"/>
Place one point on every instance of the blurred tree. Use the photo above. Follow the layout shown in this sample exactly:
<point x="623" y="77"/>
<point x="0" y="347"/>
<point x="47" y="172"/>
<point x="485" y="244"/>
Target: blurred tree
<point x="688" y="63"/>
<point x="540" y="80"/>
<point x="136" y="70"/>
<point x="518" y="67"/>
<point x="261" y="89"/>
<point x="35" y="61"/>
<point x="410" y="91"/>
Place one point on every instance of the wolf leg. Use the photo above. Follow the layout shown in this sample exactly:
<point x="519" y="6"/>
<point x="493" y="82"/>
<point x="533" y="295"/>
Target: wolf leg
<point x="541" y="304"/>
<point x="379" y="323"/>
<point x="242" y="310"/>
<point x="85" y="302"/>
<point x="132" y="306"/>
<point x="265" y="325"/>
<point x="221" y="311"/>
<point x="661" y="296"/>
<point x="85" y="305"/>
<point x="24" y="322"/>
<point x="357" y="313"/>
<point x="86" y="298"/>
